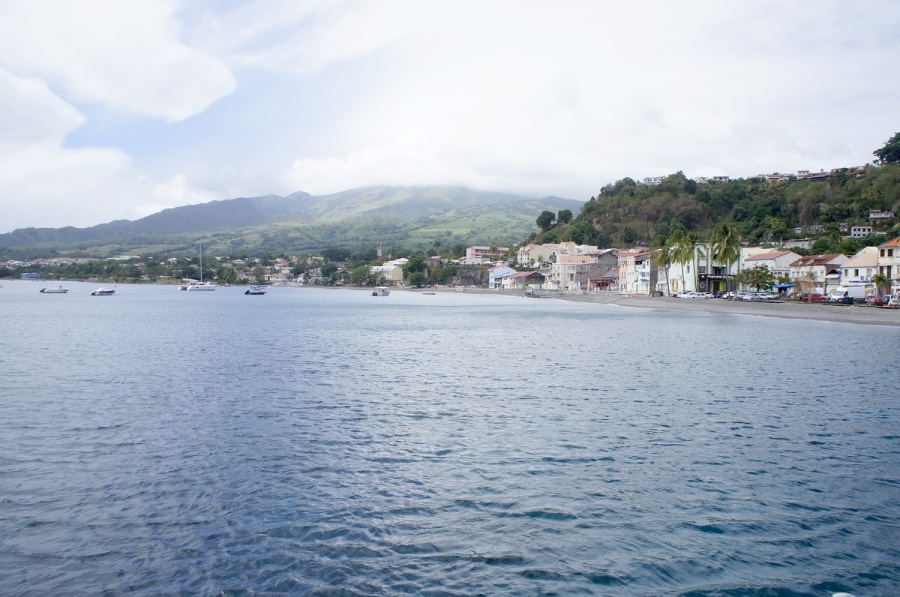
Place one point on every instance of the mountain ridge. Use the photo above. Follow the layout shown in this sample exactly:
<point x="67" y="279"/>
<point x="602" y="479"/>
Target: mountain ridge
<point x="412" y="208"/>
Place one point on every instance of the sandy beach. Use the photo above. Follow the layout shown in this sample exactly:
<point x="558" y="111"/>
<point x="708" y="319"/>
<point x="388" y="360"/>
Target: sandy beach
<point x="788" y="309"/>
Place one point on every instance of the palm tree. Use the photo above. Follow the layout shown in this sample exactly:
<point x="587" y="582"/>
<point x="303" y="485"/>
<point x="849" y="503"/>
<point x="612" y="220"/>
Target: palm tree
<point x="672" y="244"/>
<point x="725" y="246"/>
<point x="687" y="251"/>
<point x="881" y="282"/>
<point x="663" y="259"/>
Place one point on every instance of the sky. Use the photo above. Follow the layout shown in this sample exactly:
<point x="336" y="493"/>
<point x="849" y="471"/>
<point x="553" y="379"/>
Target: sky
<point x="117" y="109"/>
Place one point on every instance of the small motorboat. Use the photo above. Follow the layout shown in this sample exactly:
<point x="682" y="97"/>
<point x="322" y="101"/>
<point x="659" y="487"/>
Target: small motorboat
<point x="381" y="291"/>
<point x="103" y="292"/>
<point x="57" y="290"/>
<point x="255" y="290"/>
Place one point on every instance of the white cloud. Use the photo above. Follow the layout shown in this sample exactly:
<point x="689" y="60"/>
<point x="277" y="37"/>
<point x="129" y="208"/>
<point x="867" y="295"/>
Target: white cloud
<point x="40" y="181"/>
<point x="123" y="54"/>
<point x="523" y="96"/>
<point x="567" y="96"/>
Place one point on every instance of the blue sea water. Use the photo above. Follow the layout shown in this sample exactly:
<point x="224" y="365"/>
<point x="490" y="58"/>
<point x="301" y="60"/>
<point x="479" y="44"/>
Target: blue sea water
<point x="327" y="442"/>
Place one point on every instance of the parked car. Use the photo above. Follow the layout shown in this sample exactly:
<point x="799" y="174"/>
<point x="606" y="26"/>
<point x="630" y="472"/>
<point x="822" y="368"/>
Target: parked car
<point x="812" y="297"/>
<point x="752" y="296"/>
<point x="878" y="301"/>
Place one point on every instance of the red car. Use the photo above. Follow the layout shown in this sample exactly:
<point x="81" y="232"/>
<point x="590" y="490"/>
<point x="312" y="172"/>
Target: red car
<point x="878" y="301"/>
<point x="812" y="297"/>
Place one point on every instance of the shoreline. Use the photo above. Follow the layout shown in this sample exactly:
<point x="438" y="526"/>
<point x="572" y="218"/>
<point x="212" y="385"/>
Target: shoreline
<point x="786" y="309"/>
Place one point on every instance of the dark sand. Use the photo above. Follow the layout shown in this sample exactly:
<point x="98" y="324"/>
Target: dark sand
<point x="788" y="309"/>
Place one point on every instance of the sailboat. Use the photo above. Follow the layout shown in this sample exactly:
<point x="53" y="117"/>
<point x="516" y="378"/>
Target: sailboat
<point x="194" y="285"/>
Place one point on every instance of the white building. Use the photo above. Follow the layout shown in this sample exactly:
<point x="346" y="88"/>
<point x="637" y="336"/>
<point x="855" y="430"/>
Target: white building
<point x="860" y="268"/>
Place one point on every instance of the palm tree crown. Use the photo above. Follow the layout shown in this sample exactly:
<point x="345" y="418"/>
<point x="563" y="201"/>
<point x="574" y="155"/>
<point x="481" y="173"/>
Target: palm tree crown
<point x="725" y="246"/>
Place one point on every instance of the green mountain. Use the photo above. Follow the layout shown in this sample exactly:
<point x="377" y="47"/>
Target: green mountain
<point x="412" y="217"/>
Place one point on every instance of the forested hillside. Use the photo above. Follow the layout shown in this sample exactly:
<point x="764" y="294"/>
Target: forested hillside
<point x="626" y="213"/>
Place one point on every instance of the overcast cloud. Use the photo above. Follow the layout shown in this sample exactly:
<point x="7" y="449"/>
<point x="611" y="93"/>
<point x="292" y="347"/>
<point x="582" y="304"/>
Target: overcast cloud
<point x="113" y="110"/>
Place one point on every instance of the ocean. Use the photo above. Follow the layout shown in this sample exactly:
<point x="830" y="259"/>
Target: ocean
<point x="328" y="442"/>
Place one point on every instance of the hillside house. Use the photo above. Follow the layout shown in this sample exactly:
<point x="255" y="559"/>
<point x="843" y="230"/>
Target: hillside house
<point x="523" y="280"/>
<point x="811" y="273"/>
<point x="860" y="268"/>
<point x="888" y="262"/>
<point x="778" y="262"/>
<point x="477" y="255"/>
<point x="497" y="274"/>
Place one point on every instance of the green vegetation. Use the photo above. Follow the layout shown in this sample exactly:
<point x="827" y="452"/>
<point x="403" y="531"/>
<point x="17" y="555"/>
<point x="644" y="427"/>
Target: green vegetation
<point x="759" y="277"/>
<point x="890" y="153"/>
<point x="342" y="229"/>
<point x="627" y="213"/>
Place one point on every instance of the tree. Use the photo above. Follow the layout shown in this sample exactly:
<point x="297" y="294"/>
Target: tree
<point x="890" y="153"/>
<point x="564" y="216"/>
<point x="362" y="276"/>
<point x="881" y="283"/>
<point x="226" y="275"/>
<point x="259" y="274"/>
<point x="545" y="220"/>
<point x="629" y="235"/>
<point x="581" y="232"/>
<point x="759" y="277"/>
<point x="416" y="264"/>
<point x="663" y="259"/>
<point x="687" y="253"/>
<point x="417" y="279"/>
<point x="549" y="237"/>
<point x="336" y="254"/>
<point x="725" y="247"/>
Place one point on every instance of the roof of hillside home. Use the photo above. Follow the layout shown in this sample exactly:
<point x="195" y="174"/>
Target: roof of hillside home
<point x="862" y="259"/>
<point x="892" y="243"/>
<point x="816" y="260"/>
<point x="772" y="255"/>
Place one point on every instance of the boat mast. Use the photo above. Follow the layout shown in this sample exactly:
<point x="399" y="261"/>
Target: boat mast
<point x="201" y="260"/>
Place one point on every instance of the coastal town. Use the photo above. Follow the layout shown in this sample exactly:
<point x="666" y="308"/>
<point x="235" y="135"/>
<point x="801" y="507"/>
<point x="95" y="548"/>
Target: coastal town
<point x="871" y="276"/>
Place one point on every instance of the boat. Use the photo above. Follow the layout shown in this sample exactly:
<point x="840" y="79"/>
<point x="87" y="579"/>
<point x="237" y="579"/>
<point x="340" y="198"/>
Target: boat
<point x="194" y="285"/>
<point x="57" y="290"/>
<point x="381" y="291"/>
<point x="103" y="292"/>
<point x="253" y="290"/>
<point x="199" y="285"/>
